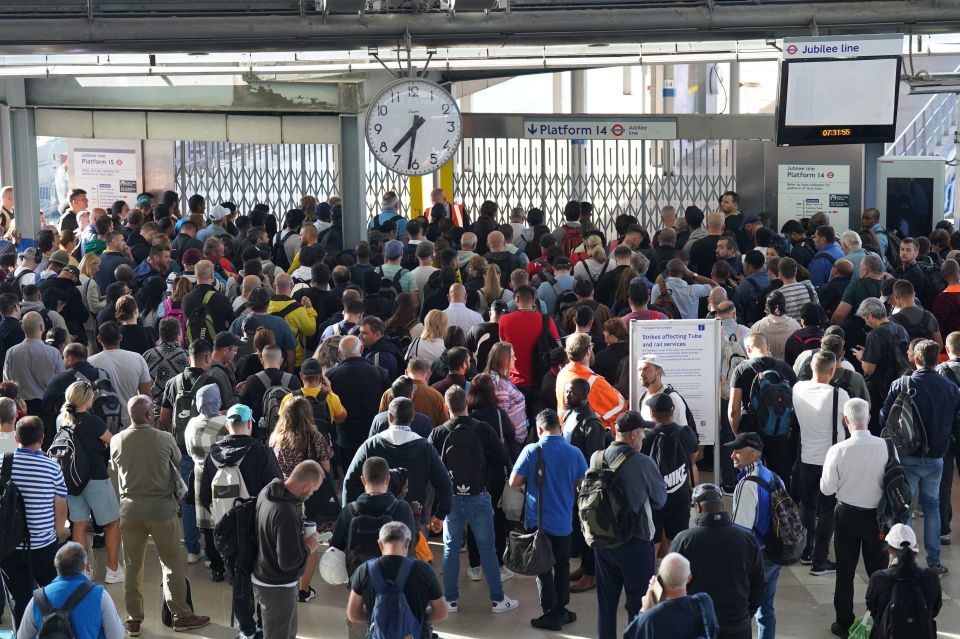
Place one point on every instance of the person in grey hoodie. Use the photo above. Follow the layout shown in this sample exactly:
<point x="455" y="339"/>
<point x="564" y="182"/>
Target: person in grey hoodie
<point x="283" y="548"/>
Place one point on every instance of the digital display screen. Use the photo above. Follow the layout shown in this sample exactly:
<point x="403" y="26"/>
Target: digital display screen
<point x="910" y="206"/>
<point x="823" y="101"/>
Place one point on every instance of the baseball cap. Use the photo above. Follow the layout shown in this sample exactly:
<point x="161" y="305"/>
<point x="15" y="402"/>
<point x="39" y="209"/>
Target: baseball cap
<point x="311" y="367"/>
<point x="500" y="307"/>
<point x="239" y="413"/>
<point x="30" y="255"/>
<point x="791" y="226"/>
<point x="753" y="218"/>
<point x="902" y="534"/>
<point x="73" y="270"/>
<point x="393" y="249"/>
<point x="143" y="200"/>
<point x="60" y="257"/>
<point x="706" y="492"/>
<point x="225" y="339"/>
<point x="659" y="403"/>
<point x="629" y="421"/>
<point x="745" y="440"/>
<point x="192" y="256"/>
<point x="561" y="262"/>
<point x="217" y="213"/>
<point x="649" y="359"/>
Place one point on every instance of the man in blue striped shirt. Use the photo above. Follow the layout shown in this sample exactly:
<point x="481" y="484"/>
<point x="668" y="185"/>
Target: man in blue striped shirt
<point x="40" y="481"/>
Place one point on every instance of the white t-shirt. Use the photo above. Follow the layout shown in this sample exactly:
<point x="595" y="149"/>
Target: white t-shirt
<point x="679" y="408"/>
<point x="813" y="405"/>
<point x="8" y="443"/>
<point x="127" y="370"/>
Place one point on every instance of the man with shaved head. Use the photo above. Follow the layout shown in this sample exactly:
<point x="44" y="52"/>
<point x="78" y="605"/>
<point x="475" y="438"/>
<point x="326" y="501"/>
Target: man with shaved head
<point x="31" y="364"/>
<point x="457" y="312"/>
<point x="299" y="316"/>
<point x="498" y="254"/>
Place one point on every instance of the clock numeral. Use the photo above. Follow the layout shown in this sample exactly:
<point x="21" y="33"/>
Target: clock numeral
<point x="378" y="128"/>
<point x="415" y="165"/>
<point x="444" y="108"/>
<point x="446" y="144"/>
<point x="383" y="147"/>
<point x="451" y="126"/>
<point x="395" y="96"/>
<point x="433" y="158"/>
<point x="396" y="159"/>
<point x="382" y="109"/>
<point x="431" y="96"/>
<point x="413" y="91"/>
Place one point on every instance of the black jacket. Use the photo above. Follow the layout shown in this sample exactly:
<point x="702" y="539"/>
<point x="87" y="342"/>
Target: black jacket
<point x="880" y="590"/>
<point x="386" y="354"/>
<point x="258" y="468"/>
<point x="496" y="454"/>
<point x="729" y="568"/>
<point x="359" y="384"/>
<point x="372" y="505"/>
<point x="219" y="307"/>
<point x="281" y="556"/>
<point x="75" y="312"/>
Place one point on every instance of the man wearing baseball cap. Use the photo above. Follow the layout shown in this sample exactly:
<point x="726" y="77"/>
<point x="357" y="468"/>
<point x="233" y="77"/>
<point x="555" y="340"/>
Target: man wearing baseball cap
<point x="728" y="563"/>
<point x="74" y="311"/>
<point x="217" y="216"/>
<point x="401" y="279"/>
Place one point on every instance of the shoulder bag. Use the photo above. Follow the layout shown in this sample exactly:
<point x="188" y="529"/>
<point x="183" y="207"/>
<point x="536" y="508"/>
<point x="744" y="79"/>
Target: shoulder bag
<point x="531" y="553"/>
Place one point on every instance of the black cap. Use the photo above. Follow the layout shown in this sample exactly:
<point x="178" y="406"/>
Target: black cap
<point x="561" y="261"/>
<point x="791" y="226"/>
<point x="746" y="440"/>
<point x="629" y="421"/>
<point x="659" y="403"/>
<point x="706" y="492"/>
<point x="226" y="339"/>
<point x="500" y="307"/>
<point x="311" y="368"/>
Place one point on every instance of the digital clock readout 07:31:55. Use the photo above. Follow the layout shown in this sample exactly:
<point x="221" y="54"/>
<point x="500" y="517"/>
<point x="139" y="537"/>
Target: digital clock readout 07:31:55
<point x="835" y="133"/>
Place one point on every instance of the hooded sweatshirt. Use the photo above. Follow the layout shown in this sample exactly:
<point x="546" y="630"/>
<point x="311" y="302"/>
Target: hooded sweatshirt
<point x="282" y="555"/>
<point x="258" y="466"/>
<point x="386" y="354"/>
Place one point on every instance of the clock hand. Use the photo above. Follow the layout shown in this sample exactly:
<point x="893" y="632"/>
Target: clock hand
<point x="417" y="123"/>
<point x="413" y="143"/>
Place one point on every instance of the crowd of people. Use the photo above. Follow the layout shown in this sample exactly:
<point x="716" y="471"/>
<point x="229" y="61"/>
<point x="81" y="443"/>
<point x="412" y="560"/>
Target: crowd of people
<point x="247" y="391"/>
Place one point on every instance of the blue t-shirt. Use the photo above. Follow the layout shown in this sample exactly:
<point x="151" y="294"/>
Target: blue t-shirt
<point x="281" y="330"/>
<point x="564" y="466"/>
<point x="677" y="618"/>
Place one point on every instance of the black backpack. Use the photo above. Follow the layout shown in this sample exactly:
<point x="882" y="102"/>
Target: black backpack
<point x="606" y="518"/>
<point x="71" y="456"/>
<point x="545" y="344"/>
<point x="55" y="623"/>
<point x="279" y="254"/>
<point x="200" y="322"/>
<point x="391" y="283"/>
<point x="896" y="499"/>
<point x="321" y="411"/>
<point x="465" y="459"/>
<point x="907" y="614"/>
<point x="364" y="533"/>
<point x="669" y="456"/>
<point x="235" y="535"/>
<point x="13" y="525"/>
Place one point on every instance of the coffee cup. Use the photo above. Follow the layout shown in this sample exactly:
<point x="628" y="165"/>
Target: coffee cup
<point x="309" y="528"/>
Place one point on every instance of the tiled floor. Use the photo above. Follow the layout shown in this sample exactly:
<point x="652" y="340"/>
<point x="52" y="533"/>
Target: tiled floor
<point x="804" y="604"/>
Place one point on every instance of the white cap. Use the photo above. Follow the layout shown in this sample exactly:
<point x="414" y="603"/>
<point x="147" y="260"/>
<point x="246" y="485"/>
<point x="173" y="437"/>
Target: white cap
<point x="900" y="534"/>
<point x="217" y="213"/>
<point x="333" y="567"/>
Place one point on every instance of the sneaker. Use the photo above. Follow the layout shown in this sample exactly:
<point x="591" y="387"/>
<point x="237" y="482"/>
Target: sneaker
<point x="567" y="616"/>
<point x="207" y="563"/>
<point x="305" y="595"/>
<point x="838" y="630"/>
<point x="505" y="605"/>
<point x="99" y="541"/>
<point x="453" y="607"/>
<point x="945" y="540"/>
<point x="193" y="557"/>
<point x="190" y="623"/>
<point x="826" y="568"/>
<point x="940" y="569"/>
<point x="505" y="574"/>
<point x="115" y="576"/>
<point x="217" y="576"/>
<point x="132" y="627"/>
<point x="257" y="635"/>
<point x="806" y="558"/>
<point x="547" y="622"/>
<point x="475" y="574"/>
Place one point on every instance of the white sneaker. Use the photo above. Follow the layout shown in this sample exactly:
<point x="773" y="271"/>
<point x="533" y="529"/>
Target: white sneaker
<point x="115" y="576"/>
<point x="193" y="557"/>
<point x="452" y="607"/>
<point x="505" y="574"/>
<point x="475" y="574"/>
<point x="506" y="605"/>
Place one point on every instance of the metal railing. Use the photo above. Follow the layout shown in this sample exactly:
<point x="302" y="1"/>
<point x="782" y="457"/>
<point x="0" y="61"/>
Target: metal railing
<point x="927" y="133"/>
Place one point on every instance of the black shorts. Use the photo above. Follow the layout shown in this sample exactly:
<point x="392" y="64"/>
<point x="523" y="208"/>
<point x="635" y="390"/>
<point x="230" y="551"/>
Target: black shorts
<point x="674" y="517"/>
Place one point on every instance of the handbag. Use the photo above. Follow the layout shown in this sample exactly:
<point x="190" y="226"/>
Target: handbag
<point x="511" y="500"/>
<point x="177" y="485"/>
<point x="324" y="504"/>
<point x="531" y="553"/>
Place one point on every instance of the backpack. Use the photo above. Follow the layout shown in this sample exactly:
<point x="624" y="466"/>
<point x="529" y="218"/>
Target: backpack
<point x="572" y="238"/>
<point x="916" y="330"/>
<point x="72" y="458"/>
<point x="226" y="486"/>
<point x="391" y="283"/>
<point x="665" y="301"/>
<point x="599" y="277"/>
<point x="279" y="254"/>
<point x="771" y="402"/>
<point x="465" y="459"/>
<point x="731" y="354"/>
<point x="200" y="323"/>
<point x="808" y="343"/>
<point x="907" y="614"/>
<point x="668" y="454"/>
<point x="169" y="310"/>
<point x="363" y="534"/>
<point x="606" y="518"/>
<point x="950" y="372"/>
<point x="893" y="248"/>
<point x="321" y="411"/>
<point x="787" y="536"/>
<point x="55" y="623"/>
<point x="545" y="344"/>
<point x="185" y="406"/>
<point x="235" y="535"/>
<point x="270" y="411"/>
<point x="19" y="276"/>
<point x="565" y="298"/>
<point x="286" y="310"/>
<point x="895" y="499"/>
<point x="391" y="617"/>
<point x="408" y="259"/>
<point x="903" y="424"/>
<point x="13" y="525"/>
<point x="106" y="402"/>
<point x="691" y="421"/>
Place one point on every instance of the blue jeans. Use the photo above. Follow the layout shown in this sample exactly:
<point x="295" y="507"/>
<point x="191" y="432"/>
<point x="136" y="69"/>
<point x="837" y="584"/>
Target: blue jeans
<point x="191" y="534"/>
<point x="477" y="512"/>
<point x="924" y="477"/>
<point x="766" y="619"/>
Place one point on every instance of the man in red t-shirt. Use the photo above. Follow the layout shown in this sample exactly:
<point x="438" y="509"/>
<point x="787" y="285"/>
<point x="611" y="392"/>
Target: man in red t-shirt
<point x="522" y="329"/>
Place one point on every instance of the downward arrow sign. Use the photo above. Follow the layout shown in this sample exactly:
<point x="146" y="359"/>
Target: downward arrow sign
<point x="532" y="129"/>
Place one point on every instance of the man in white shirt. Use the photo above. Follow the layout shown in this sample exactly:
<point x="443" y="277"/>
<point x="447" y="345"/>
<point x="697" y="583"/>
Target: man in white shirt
<point x="685" y="296"/>
<point x="853" y="473"/>
<point x="457" y="312"/>
<point x="128" y="371"/>
<point x="818" y="407"/>
<point x="423" y="272"/>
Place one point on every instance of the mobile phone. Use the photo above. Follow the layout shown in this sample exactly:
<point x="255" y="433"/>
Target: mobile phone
<point x="657" y="589"/>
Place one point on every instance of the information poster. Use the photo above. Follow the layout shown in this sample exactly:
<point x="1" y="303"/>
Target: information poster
<point x="108" y="170"/>
<point x="804" y="189"/>
<point x="689" y="353"/>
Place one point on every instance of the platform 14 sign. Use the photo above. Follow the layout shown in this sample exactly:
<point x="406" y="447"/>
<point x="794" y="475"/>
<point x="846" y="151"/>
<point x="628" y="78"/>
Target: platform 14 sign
<point x="607" y="129"/>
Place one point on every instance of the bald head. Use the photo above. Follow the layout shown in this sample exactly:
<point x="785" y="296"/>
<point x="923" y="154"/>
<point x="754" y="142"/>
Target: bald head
<point x="283" y="284"/>
<point x="458" y="293"/>
<point x="495" y="241"/>
<point x="32" y="325"/>
<point x="717" y="294"/>
<point x="715" y="221"/>
<point x="350" y="346"/>
<point x="469" y="241"/>
<point x="250" y="282"/>
<point x="844" y="268"/>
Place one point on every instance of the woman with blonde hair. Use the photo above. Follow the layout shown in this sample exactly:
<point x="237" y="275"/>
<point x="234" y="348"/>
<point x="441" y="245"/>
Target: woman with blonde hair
<point x="499" y="362"/>
<point x="429" y="345"/>
<point x="296" y="439"/>
<point x="328" y="352"/>
<point x="92" y="297"/>
<point x="596" y="263"/>
<point x="492" y="290"/>
<point x="94" y="493"/>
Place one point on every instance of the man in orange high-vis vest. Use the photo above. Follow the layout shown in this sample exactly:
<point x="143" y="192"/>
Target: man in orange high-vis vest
<point x="604" y="399"/>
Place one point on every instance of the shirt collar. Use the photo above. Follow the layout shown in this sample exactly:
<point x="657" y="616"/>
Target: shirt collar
<point x="27" y="451"/>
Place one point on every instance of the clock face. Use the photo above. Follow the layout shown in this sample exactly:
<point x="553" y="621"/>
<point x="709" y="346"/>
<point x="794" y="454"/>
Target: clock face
<point x="413" y="126"/>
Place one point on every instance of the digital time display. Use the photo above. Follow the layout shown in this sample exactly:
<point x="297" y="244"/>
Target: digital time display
<point x="836" y="133"/>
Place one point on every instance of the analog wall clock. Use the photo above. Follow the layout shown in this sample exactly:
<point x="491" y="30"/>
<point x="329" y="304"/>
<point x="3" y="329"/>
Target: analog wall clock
<point x="413" y="126"/>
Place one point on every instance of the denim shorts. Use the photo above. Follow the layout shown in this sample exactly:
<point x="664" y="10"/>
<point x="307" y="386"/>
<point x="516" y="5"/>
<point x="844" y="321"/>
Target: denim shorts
<point x="98" y="497"/>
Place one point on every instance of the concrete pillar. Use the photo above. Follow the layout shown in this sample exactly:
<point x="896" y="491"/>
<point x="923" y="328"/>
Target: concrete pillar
<point x="734" y="88"/>
<point x="26" y="183"/>
<point x="353" y="176"/>
<point x="578" y="148"/>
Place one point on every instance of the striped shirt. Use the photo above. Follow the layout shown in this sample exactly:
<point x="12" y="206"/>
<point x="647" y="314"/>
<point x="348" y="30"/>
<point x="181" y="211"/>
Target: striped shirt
<point x="39" y="480"/>
<point x="796" y="295"/>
